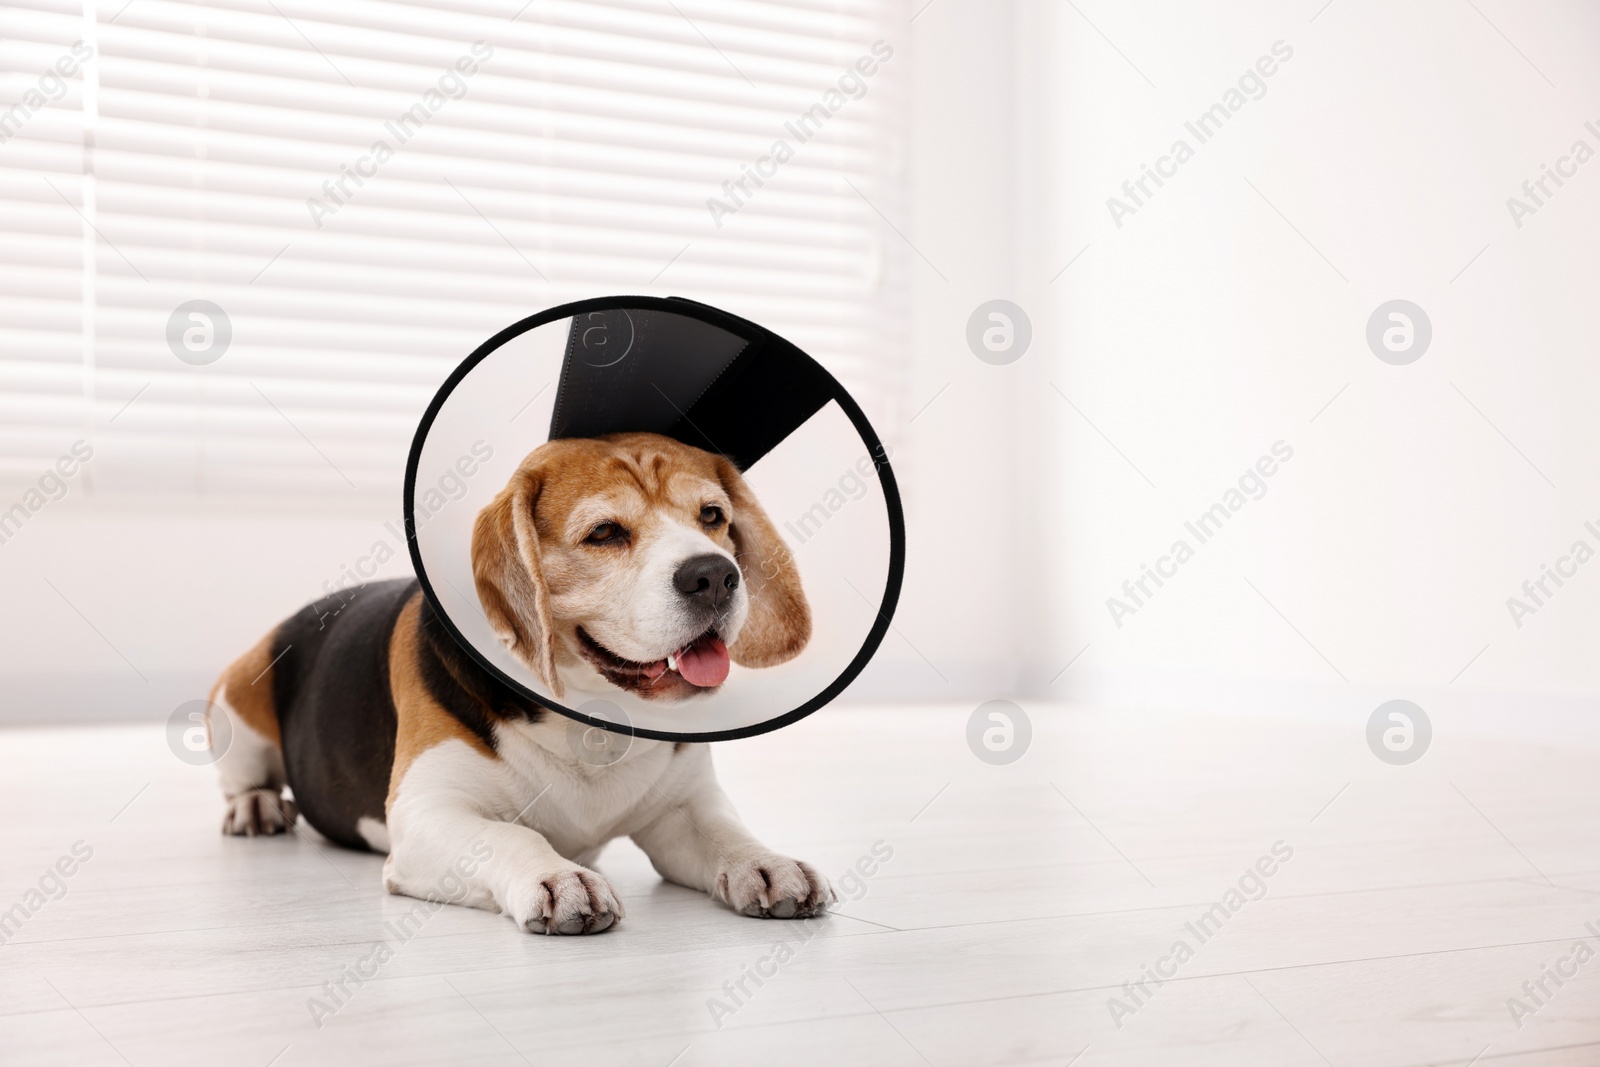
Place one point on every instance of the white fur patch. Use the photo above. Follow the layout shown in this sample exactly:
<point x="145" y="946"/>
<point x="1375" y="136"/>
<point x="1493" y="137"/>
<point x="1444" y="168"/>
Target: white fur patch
<point x="250" y="761"/>
<point x="374" y="832"/>
<point x="518" y="833"/>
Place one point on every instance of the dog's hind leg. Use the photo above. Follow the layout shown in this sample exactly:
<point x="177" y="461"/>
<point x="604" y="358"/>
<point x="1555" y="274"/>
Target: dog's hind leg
<point x="250" y="760"/>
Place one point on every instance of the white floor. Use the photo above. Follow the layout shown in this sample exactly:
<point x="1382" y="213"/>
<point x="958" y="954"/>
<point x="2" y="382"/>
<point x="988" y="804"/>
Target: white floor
<point x="1018" y="900"/>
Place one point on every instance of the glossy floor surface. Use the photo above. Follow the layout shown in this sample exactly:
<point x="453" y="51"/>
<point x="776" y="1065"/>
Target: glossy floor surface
<point x="1331" y="908"/>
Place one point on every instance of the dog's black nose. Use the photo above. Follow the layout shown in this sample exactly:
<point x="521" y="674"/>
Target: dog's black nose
<point x="709" y="579"/>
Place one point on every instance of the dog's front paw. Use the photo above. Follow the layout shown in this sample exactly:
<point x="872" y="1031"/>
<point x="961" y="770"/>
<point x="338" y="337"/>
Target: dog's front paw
<point x="572" y="901"/>
<point x="769" y="886"/>
<point x="259" y="811"/>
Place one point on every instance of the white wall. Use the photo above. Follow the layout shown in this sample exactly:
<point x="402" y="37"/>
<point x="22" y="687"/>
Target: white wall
<point x="1213" y="323"/>
<point x="972" y="606"/>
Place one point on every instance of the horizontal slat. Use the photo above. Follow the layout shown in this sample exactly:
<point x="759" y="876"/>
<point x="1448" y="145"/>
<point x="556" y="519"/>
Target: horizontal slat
<point x="286" y="140"/>
<point x="567" y="84"/>
<point x="50" y="7"/>
<point x="431" y="212"/>
<point x="370" y="40"/>
<point x="48" y="345"/>
<point x="32" y="37"/>
<point x="47" y="298"/>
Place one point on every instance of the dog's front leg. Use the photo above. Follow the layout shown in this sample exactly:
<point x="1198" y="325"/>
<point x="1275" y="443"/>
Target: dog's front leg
<point x="444" y="848"/>
<point x="452" y="813"/>
<point x="697" y="840"/>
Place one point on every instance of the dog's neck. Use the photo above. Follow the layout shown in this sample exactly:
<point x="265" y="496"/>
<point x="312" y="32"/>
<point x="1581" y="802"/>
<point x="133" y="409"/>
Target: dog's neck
<point x="464" y="688"/>
<point x="491" y="709"/>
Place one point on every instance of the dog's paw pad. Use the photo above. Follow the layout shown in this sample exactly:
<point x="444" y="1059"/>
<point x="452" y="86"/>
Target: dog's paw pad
<point x="258" y="812"/>
<point x="773" y="887"/>
<point x="576" y="901"/>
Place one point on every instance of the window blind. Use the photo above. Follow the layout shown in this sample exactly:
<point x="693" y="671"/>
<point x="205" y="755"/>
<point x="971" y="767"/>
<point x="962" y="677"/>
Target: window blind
<point x="369" y="190"/>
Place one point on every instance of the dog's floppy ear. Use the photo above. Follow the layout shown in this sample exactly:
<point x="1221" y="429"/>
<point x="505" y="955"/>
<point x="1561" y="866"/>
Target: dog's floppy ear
<point x="779" y="624"/>
<point x="510" y="578"/>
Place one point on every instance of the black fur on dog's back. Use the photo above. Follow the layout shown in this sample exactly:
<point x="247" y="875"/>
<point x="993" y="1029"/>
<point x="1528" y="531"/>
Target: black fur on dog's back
<point x="336" y="709"/>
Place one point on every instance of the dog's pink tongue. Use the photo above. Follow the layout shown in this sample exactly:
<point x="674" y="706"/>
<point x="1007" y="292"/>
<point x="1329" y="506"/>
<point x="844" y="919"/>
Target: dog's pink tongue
<point x="704" y="663"/>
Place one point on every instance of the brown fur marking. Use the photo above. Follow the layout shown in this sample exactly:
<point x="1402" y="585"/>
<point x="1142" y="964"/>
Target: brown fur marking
<point x="247" y="687"/>
<point x="779" y="625"/>
<point x="421" y="723"/>
<point x="510" y="578"/>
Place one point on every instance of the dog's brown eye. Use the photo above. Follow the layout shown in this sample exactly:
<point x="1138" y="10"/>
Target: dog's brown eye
<point x="711" y="515"/>
<point x="607" y="533"/>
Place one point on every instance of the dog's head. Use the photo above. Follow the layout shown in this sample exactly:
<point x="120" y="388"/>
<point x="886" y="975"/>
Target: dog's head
<point x="638" y="561"/>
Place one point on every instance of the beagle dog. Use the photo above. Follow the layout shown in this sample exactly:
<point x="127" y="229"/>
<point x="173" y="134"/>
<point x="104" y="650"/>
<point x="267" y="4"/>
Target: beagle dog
<point x="629" y="562"/>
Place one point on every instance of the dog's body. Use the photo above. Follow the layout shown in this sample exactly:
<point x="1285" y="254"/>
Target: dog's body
<point x="392" y="739"/>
